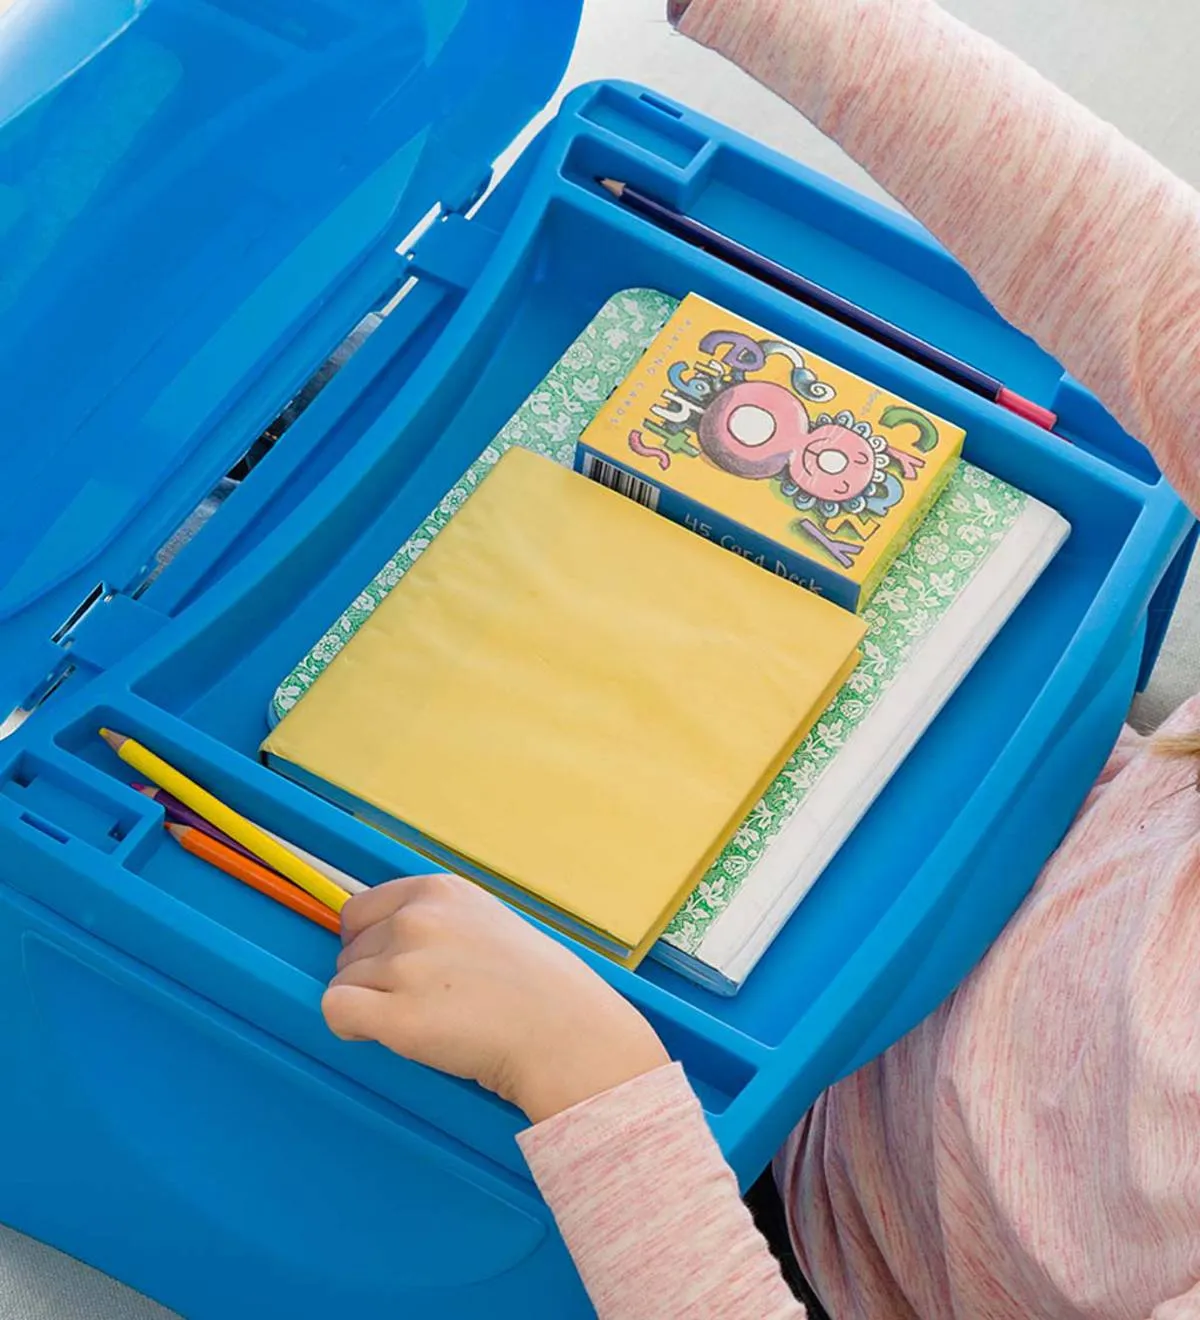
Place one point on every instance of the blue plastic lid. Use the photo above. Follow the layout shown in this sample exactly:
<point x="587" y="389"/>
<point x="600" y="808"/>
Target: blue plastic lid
<point x="184" y="184"/>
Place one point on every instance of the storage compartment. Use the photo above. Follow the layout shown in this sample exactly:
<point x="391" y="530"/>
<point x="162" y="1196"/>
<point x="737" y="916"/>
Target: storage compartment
<point x="220" y="682"/>
<point x="646" y="122"/>
<point x="64" y="809"/>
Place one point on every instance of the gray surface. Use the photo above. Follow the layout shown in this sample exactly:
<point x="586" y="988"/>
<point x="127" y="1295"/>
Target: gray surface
<point x="1132" y="62"/>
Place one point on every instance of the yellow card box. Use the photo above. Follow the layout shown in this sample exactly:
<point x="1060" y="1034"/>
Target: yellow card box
<point x="784" y="458"/>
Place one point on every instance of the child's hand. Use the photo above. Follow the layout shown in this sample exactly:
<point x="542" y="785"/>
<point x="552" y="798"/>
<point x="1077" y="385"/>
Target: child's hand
<point x="443" y="973"/>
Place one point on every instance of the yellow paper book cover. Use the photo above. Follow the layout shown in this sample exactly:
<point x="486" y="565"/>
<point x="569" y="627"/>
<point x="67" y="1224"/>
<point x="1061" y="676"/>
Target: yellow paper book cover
<point x="776" y="454"/>
<point x="570" y="699"/>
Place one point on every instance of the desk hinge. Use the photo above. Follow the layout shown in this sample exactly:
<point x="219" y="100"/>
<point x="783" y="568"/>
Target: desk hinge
<point x="453" y="251"/>
<point x="108" y="627"/>
<point x="102" y="629"/>
<point x="464" y="202"/>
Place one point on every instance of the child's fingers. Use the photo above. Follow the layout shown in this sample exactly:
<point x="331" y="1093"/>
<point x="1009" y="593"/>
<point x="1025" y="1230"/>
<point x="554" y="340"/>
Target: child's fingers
<point x="368" y="943"/>
<point x="354" y="1012"/>
<point x="374" y="973"/>
<point x="376" y="904"/>
<point x="362" y="1003"/>
<point x="358" y="1003"/>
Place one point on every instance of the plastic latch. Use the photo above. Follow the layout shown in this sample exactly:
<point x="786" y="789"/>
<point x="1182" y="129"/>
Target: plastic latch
<point x="110" y="630"/>
<point x="453" y="251"/>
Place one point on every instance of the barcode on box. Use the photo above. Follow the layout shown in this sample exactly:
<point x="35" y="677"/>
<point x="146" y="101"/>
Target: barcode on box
<point x="624" y="483"/>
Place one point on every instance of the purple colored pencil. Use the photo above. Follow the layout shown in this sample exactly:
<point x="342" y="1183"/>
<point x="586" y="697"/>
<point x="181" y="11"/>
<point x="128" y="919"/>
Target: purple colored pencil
<point x="178" y="814"/>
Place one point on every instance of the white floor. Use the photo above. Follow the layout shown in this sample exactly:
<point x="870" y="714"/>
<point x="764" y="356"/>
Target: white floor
<point x="1133" y="61"/>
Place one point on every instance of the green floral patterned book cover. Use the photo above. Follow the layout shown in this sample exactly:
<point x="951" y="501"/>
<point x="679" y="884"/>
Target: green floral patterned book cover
<point x="970" y="519"/>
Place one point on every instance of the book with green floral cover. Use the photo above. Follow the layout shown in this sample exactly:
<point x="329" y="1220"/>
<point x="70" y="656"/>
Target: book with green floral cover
<point x="976" y="556"/>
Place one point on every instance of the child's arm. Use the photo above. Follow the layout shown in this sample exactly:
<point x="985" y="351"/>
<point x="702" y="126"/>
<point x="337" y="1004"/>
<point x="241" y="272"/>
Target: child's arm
<point x="650" y="1210"/>
<point x="441" y="972"/>
<point x="1077" y="236"/>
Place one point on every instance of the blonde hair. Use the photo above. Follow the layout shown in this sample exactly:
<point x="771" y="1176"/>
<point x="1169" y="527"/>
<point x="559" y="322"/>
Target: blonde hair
<point x="1178" y="744"/>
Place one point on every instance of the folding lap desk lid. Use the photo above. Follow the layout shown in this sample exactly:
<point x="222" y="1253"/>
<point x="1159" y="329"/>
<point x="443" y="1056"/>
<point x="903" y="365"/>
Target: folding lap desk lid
<point x="199" y="200"/>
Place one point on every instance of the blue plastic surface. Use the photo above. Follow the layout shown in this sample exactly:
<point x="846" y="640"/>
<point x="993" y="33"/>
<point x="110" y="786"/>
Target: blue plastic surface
<point x="174" y="1107"/>
<point x="198" y="199"/>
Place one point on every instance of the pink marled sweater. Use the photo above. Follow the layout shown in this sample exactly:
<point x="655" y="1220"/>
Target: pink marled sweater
<point x="1032" y="1149"/>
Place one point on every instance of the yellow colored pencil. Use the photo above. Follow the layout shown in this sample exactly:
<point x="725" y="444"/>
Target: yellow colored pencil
<point x="238" y="828"/>
<point x="339" y="878"/>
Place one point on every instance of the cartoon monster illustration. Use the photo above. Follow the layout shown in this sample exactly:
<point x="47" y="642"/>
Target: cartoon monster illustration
<point x="839" y="473"/>
<point x="834" y="466"/>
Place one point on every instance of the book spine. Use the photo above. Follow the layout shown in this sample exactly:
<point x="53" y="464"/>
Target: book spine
<point x="704" y="521"/>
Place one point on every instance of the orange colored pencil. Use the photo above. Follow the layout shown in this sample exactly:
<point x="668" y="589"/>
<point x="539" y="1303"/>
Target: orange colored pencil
<point x="254" y="874"/>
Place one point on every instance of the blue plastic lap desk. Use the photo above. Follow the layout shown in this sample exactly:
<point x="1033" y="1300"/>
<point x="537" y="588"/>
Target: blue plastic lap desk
<point x="198" y="200"/>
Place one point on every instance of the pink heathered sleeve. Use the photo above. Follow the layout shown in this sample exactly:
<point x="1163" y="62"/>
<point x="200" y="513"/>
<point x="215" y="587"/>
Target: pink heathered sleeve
<point x="650" y="1210"/>
<point x="1077" y="236"/>
<point x="1180" y="1308"/>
